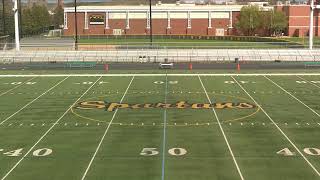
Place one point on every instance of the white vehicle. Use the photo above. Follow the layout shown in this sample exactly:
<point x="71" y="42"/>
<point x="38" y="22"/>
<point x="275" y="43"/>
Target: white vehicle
<point x="165" y="65"/>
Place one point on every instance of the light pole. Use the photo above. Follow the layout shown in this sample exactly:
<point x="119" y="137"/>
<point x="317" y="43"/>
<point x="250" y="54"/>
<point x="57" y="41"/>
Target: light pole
<point x="3" y="18"/>
<point x="76" y="25"/>
<point x="16" y="25"/>
<point x="150" y="12"/>
<point x="311" y="24"/>
<point x="20" y="19"/>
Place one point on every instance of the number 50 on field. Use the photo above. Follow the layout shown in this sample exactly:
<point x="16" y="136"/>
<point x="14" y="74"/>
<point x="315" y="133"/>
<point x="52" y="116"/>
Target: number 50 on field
<point x="154" y="151"/>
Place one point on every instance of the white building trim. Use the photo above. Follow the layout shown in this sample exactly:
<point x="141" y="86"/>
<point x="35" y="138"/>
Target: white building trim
<point x="148" y="19"/>
<point x="189" y="20"/>
<point x="86" y="22"/>
<point x="169" y="20"/>
<point x="127" y="20"/>
<point x="209" y="20"/>
<point x="107" y="20"/>
<point x="230" y="19"/>
<point x="65" y="21"/>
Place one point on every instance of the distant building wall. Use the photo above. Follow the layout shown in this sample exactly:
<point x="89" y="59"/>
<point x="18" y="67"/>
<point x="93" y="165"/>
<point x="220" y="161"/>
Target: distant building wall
<point x="179" y="20"/>
<point x="299" y="19"/>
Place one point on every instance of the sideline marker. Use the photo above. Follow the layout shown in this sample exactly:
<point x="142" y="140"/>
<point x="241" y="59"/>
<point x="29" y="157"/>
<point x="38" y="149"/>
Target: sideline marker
<point x="190" y="66"/>
<point x="106" y="67"/>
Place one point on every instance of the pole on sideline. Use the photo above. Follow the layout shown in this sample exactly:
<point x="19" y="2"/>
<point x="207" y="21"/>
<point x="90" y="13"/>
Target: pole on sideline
<point x="16" y="25"/>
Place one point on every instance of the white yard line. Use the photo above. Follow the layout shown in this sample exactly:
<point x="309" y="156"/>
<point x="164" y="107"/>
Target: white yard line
<point x="45" y="134"/>
<point x="32" y="101"/>
<point x="164" y="139"/>
<point x="293" y="96"/>
<point x="151" y="75"/>
<point x="222" y="131"/>
<point x="105" y="133"/>
<point x="17" y="86"/>
<point x="273" y="122"/>
<point x="308" y="81"/>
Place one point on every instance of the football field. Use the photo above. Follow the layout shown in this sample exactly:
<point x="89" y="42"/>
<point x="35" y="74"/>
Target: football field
<point x="160" y="127"/>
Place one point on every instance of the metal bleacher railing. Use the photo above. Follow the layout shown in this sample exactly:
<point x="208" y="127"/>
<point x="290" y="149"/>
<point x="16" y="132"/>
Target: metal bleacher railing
<point x="134" y="53"/>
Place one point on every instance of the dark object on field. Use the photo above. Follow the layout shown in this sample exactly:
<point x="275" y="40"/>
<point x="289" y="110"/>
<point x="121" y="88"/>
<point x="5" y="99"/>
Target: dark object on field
<point x="277" y="60"/>
<point x="236" y="60"/>
<point x="166" y="65"/>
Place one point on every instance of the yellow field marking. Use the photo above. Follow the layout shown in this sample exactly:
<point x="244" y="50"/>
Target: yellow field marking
<point x="224" y="121"/>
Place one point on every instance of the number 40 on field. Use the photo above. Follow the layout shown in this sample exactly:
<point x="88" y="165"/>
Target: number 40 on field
<point x="309" y="151"/>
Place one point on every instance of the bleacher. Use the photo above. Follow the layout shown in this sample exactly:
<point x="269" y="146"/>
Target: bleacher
<point x="158" y="55"/>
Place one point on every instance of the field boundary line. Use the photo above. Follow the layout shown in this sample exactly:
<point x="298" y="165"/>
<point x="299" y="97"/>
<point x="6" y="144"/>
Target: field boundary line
<point x="294" y="97"/>
<point x="164" y="132"/>
<point x="17" y="86"/>
<point x="33" y="101"/>
<point x="152" y="75"/>
<point x="309" y="81"/>
<point x="274" y="123"/>
<point x="222" y="131"/>
<point x="45" y="134"/>
<point x="105" y="133"/>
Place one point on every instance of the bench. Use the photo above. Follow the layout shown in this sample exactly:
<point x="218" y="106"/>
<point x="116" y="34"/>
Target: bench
<point x="80" y="64"/>
<point x="312" y="64"/>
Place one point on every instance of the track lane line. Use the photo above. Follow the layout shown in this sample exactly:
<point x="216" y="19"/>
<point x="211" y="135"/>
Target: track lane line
<point x="45" y="134"/>
<point x="17" y="86"/>
<point x="293" y="96"/>
<point x="222" y="131"/>
<point x="33" y="101"/>
<point x="275" y="124"/>
<point x="105" y="133"/>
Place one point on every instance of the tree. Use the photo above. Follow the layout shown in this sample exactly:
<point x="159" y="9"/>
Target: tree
<point x="279" y="22"/>
<point x="6" y="14"/>
<point x="250" y="20"/>
<point x="274" y="22"/>
<point x="35" y="20"/>
<point x="58" y="17"/>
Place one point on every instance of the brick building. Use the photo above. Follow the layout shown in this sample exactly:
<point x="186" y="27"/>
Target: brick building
<point x="299" y="19"/>
<point x="178" y="19"/>
<point x="167" y="19"/>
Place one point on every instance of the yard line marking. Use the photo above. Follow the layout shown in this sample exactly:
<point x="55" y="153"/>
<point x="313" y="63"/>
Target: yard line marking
<point x="33" y="101"/>
<point x="293" y="96"/>
<point x="273" y="122"/>
<point x="222" y="131"/>
<point x="309" y="82"/>
<point x="164" y="132"/>
<point x="154" y="75"/>
<point x="106" y="131"/>
<point x="45" y="134"/>
<point x="16" y="86"/>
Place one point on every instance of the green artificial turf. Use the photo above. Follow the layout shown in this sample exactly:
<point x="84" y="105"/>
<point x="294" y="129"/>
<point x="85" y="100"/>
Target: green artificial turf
<point x="45" y="135"/>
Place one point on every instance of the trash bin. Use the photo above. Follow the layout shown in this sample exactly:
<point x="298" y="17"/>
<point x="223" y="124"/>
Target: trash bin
<point x="236" y="60"/>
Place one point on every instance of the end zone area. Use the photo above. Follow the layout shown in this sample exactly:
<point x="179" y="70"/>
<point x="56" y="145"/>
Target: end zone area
<point x="160" y="126"/>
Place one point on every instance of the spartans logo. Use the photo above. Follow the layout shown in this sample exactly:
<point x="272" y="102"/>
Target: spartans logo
<point x="112" y="106"/>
